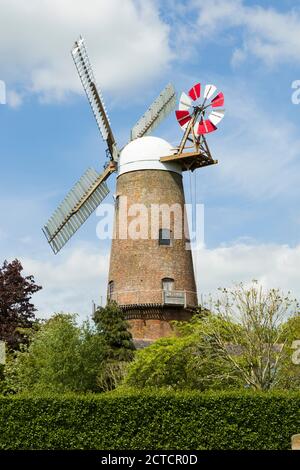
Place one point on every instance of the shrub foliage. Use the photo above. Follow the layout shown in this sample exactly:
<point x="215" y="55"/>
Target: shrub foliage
<point x="151" y="420"/>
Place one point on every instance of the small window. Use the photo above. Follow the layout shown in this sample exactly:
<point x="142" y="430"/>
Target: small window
<point x="110" y="290"/>
<point x="164" y="237"/>
<point x="168" y="284"/>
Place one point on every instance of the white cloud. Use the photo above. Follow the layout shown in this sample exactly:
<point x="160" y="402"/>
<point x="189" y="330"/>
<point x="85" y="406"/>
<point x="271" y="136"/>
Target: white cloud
<point x="71" y="282"/>
<point x="259" y="152"/>
<point x="268" y="34"/>
<point x="257" y="149"/>
<point x="14" y="99"/>
<point x="238" y="56"/>
<point x="128" y="43"/>
<point x="274" y="266"/>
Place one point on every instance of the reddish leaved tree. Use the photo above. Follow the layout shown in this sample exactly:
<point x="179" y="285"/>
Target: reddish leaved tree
<point x="16" y="309"/>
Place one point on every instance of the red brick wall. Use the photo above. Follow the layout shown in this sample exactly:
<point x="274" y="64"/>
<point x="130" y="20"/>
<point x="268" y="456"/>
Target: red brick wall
<point x="143" y="327"/>
<point x="137" y="267"/>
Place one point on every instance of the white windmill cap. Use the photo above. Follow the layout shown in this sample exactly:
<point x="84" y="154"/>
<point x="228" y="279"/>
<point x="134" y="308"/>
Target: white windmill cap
<point x="145" y="153"/>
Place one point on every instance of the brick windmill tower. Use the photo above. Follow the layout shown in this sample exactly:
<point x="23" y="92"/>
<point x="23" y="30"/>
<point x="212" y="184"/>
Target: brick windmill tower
<point x="151" y="273"/>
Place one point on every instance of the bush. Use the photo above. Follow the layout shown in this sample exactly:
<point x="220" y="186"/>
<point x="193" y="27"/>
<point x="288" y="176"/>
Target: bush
<point x="289" y="372"/>
<point x="114" y="330"/>
<point x="62" y="357"/>
<point x="180" y="363"/>
<point x="151" y="420"/>
<point x="213" y="353"/>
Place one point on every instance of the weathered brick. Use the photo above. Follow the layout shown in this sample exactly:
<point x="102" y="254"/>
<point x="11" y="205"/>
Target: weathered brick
<point x="137" y="267"/>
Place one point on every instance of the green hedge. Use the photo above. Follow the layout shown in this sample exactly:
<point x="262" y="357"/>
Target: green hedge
<point x="150" y="420"/>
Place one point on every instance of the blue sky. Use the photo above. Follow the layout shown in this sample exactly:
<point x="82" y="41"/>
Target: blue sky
<point x="250" y="50"/>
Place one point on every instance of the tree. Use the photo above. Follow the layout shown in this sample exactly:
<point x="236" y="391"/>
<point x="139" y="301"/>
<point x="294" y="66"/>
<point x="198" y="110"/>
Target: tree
<point x="253" y="343"/>
<point x="119" y="347"/>
<point x="61" y="357"/>
<point x="246" y="343"/>
<point x="183" y="361"/>
<point x="114" y="329"/>
<point x="16" y="309"/>
<point x="289" y="370"/>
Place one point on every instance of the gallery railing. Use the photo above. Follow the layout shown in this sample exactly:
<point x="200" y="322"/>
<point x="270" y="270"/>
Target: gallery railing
<point x="181" y="298"/>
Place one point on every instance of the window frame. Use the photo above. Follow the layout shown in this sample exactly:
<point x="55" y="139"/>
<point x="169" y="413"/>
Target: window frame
<point x="170" y="281"/>
<point x="110" y="289"/>
<point x="164" y="241"/>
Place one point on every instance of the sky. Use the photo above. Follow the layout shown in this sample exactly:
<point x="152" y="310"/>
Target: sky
<point x="250" y="50"/>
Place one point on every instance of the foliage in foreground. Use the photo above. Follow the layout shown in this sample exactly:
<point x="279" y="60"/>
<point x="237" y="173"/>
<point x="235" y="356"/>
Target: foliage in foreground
<point x="255" y="320"/>
<point x="64" y="357"/>
<point x="245" y="344"/>
<point x="119" y="347"/>
<point x="61" y="357"/>
<point x="180" y="363"/>
<point x="151" y="420"/>
<point x="16" y="309"/>
<point x="114" y="329"/>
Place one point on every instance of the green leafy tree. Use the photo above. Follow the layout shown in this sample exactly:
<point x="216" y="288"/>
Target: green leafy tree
<point x="61" y="357"/>
<point x="253" y="345"/>
<point x="114" y="330"/>
<point x="245" y="343"/>
<point x="185" y="361"/>
<point x="118" y="345"/>
<point x="289" y="370"/>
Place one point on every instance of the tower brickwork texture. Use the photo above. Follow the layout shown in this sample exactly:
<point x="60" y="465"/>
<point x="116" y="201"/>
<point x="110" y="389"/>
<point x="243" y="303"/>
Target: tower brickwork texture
<point x="143" y="270"/>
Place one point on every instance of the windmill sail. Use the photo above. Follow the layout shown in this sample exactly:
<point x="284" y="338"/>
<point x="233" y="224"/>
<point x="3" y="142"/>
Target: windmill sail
<point x="160" y="108"/>
<point x="78" y="205"/>
<point x="85" y="71"/>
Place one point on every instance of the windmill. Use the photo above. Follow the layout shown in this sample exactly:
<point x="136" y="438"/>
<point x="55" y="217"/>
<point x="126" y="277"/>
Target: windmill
<point x="151" y="279"/>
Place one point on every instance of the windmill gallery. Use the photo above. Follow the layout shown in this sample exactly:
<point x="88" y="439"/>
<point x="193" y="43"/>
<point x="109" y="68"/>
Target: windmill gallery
<point x="151" y="277"/>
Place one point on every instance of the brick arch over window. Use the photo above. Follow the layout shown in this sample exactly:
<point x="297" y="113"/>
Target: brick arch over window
<point x="167" y="283"/>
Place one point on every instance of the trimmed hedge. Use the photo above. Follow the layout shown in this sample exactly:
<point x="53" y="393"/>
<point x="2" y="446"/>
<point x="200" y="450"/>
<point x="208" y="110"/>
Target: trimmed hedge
<point x="150" y="420"/>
